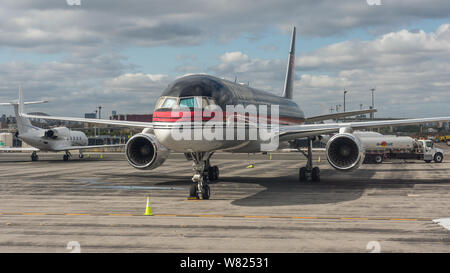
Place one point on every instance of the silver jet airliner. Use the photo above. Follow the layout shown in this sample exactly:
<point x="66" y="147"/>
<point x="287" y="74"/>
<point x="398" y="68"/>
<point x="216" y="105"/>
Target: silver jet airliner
<point x="186" y="99"/>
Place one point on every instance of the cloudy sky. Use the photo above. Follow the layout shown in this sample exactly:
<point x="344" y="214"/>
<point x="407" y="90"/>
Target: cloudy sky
<point x="122" y="54"/>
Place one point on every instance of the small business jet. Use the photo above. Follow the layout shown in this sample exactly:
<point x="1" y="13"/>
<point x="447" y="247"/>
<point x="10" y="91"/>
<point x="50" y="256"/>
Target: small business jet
<point x="186" y="99"/>
<point x="60" y="139"/>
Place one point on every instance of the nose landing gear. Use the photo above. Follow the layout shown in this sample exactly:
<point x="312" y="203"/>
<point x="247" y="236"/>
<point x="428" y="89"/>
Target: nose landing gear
<point x="203" y="172"/>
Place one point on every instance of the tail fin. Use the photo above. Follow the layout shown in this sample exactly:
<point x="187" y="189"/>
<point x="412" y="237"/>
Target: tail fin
<point x="289" y="81"/>
<point x="23" y="124"/>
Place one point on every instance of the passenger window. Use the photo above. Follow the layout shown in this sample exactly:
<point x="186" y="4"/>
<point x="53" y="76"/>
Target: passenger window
<point x="188" y="102"/>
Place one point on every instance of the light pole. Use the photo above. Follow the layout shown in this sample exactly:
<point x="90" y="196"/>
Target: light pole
<point x="100" y="112"/>
<point x="95" y="129"/>
<point x="373" y="103"/>
<point x="345" y="92"/>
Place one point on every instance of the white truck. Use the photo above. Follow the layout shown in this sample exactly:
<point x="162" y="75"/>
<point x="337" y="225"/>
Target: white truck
<point x="379" y="147"/>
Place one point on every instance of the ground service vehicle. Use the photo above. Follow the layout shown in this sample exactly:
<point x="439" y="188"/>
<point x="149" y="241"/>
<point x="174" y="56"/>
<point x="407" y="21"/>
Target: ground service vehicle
<point x="379" y="147"/>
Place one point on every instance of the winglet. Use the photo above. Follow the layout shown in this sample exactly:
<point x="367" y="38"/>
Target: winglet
<point x="289" y="81"/>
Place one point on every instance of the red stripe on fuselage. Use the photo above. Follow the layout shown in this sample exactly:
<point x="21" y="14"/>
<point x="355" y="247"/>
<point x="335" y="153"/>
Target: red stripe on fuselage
<point x="184" y="116"/>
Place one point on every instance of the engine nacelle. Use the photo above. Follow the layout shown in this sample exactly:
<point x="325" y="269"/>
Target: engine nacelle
<point x="345" y="152"/>
<point x="145" y="152"/>
<point x="60" y="132"/>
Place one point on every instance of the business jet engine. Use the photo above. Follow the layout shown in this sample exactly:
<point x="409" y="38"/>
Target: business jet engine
<point x="145" y="152"/>
<point x="345" y="152"/>
<point x="60" y="132"/>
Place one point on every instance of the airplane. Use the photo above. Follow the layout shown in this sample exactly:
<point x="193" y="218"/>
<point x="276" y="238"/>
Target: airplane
<point x="184" y="99"/>
<point x="59" y="139"/>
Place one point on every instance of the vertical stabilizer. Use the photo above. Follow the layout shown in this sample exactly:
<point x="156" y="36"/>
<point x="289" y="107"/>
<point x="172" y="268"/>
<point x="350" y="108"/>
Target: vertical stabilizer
<point x="289" y="81"/>
<point x="23" y="124"/>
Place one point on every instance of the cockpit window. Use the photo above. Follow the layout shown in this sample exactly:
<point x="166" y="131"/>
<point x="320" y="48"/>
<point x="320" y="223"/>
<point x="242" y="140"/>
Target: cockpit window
<point x="169" y="103"/>
<point x="188" y="102"/>
<point x="211" y="101"/>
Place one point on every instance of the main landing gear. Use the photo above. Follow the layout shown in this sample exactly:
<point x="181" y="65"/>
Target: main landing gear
<point x="34" y="156"/>
<point x="203" y="172"/>
<point x="309" y="172"/>
<point x="67" y="156"/>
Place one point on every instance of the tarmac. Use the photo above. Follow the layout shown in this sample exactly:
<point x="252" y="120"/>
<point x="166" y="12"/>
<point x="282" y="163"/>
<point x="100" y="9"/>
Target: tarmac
<point x="97" y="204"/>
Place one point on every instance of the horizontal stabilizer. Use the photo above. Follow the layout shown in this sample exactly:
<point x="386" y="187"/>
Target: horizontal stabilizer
<point x="25" y="103"/>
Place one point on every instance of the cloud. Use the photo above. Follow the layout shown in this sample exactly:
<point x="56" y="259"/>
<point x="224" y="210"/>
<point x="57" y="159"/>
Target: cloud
<point x="54" y="26"/>
<point x="408" y="68"/>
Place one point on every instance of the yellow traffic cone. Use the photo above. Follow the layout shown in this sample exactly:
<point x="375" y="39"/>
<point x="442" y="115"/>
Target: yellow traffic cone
<point x="148" y="209"/>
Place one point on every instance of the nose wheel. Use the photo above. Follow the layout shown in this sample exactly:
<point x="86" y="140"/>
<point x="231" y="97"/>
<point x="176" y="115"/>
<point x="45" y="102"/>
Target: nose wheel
<point x="203" y="173"/>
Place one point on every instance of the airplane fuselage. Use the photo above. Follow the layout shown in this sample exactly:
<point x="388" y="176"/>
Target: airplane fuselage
<point x="35" y="137"/>
<point x="189" y="91"/>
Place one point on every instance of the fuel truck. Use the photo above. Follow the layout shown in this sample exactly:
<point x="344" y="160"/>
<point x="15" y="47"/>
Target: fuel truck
<point x="379" y="147"/>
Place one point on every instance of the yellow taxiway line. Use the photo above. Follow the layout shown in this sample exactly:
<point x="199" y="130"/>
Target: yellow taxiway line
<point x="219" y="216"/>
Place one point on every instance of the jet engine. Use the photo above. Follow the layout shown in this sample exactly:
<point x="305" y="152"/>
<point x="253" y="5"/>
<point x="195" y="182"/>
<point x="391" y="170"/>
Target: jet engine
<point x="345" y="152"/>
<point x="145" y="152"/>
<point x="60" y="132"/>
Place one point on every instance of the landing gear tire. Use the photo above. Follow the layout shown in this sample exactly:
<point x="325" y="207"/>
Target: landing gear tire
<point x="81" y="156"/>
<point x="193" y="193"/>
<point x="216" y="172"/>
<point x="438" y="158"/>
<point x="302" y="174"/>
<point x="315" y="174"/>
<point x="206" y="192"/>
<point x="213" y="173"/>
<point x="378" y="159"/>
<point x="66" y="158"/>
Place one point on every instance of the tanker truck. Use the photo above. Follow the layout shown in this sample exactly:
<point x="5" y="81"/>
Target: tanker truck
<point x="379" y="147"/>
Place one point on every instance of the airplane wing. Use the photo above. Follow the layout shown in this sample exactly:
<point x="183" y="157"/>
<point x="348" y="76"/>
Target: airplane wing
<point x="69" y="148"/>
<point x="300" y="131"/>
<point x="340" y="115"/>
<point x="123" y="123"/>
<point x="31" y="149"/>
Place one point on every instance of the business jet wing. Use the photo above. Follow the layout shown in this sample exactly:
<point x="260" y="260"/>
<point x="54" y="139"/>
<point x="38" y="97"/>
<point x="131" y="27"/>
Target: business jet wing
<point x="69" y="148"/>
<point x="340" y="115"/>
<point x="18" y="149"/>
<point x="291" y="132"/>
